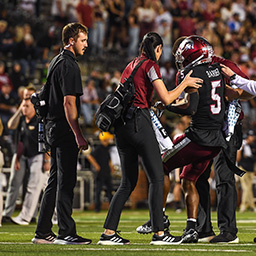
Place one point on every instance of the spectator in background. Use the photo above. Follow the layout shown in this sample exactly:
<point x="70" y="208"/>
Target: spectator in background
<point x="17" y="77"/>
<point x="101" y="161"/>
<point x="168" y="74"/>
<point x="251" y="11"/>
<point x="48" y="44"/>
<point x="89" y="102"/>
<point x="35" y="163"/>
<point x="238" y="6"/>
<point x="6" y="39"/>
<point x="163" y="26"/>
<point x="58" y="11"/>
<point x="98" y="32"/>
<point x="186" y="24"/>
<point x="84" y="13"/>
<point x="176" y="14"/>
<point x="71" y="10"/>
<point x="21" y="31"/>
<point x="84" y="16"/>
<point x="29" y="6"/>
<point x="246" y="160"/>
<point x="209" y="13"/>
<point x="106" y="86"/>
<point x="146" y="16"/>
<point x="115" y="79"/>
<point x="115" y="9"/>
<point x="133" y="31"/>
<point x="234" y="23"/>
<point x="225" y="10"/>
<point x="228" y="50"/>
<point x="8" y="105"/>
<point x="26" y="53"/>
<point x="196" y="12"/>
<point x="17" y="176"/>
<point x="4" y="77"/>
<point x="96" y="76"/>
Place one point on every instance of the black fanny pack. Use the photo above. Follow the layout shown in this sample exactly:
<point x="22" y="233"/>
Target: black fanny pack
<point x="56" y="131"/>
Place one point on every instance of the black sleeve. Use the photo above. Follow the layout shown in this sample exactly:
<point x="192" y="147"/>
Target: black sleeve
<point x="191" y="107"/>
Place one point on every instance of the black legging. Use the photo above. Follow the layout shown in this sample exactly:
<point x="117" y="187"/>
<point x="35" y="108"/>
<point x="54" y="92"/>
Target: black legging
<point x="137" y="138"/>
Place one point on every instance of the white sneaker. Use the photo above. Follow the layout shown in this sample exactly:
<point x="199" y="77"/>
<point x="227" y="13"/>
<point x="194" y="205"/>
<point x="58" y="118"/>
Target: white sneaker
<point x="18" y="220"/>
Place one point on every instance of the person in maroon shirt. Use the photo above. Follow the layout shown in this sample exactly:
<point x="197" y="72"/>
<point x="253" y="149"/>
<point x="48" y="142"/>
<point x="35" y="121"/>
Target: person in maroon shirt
<point x="4" y="78"/>
<point x="135" y="137"/>
<point x="84" y="14"/>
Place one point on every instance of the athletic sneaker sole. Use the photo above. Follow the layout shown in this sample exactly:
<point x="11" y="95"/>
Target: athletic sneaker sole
<point x="110" y="243"/>
<point x="205" y="239"/>
<point x="41" y="241"/>
<point x="236" y="241"/>
<point x="164" y="243"/>
<point x="60" y="241"/>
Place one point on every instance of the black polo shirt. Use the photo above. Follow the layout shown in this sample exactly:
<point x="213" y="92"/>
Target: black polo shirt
<point x="29" y="136"/>
<point x="64" y="80"/>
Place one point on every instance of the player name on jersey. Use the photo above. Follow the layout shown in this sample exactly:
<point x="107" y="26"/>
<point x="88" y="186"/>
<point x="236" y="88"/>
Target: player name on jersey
<point x="213" y="73"/>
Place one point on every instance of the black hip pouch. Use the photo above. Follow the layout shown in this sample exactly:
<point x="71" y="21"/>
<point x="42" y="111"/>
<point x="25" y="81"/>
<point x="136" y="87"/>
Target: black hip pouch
<point x="56" y="131"/>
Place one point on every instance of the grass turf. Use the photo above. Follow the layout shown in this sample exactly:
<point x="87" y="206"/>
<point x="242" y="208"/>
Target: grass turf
<point x="16" y="240"/>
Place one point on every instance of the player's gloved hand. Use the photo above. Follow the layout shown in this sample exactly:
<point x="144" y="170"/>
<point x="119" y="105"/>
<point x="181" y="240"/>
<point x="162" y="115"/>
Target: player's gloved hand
<point x="159" y="108"/>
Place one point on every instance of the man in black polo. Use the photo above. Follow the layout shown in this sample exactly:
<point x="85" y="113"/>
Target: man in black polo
<point x="65" y="138"/>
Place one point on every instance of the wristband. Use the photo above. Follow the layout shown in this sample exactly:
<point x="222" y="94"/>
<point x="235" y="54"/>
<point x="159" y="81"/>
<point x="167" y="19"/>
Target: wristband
<point x="232" y="77"/>
<point x="47" y="161"/>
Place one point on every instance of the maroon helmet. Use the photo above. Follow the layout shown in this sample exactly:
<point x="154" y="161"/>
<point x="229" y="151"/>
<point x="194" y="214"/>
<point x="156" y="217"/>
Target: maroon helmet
<point x="192" y="51"/>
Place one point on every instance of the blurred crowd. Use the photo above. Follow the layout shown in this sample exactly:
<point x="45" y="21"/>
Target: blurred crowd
<point x="30" y="37"/>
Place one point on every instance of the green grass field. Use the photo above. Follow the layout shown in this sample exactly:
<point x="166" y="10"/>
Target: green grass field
<point x="16" y="240"/>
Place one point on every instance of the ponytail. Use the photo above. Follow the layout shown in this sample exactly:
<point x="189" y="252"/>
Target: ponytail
<point x="150" y="41"/>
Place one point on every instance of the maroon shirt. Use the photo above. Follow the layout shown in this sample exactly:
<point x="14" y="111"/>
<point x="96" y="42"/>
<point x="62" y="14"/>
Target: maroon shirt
<point x="86" y="13"/>
<point x="147" y="73"/>
<point x="229" y="64"/>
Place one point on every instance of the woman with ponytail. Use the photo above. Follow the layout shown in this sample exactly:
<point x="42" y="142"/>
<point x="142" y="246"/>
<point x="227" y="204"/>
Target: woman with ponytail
<point x="135" y="137"/>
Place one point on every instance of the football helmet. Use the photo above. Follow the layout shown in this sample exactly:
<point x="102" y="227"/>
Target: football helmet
<point x="192" y="51"/>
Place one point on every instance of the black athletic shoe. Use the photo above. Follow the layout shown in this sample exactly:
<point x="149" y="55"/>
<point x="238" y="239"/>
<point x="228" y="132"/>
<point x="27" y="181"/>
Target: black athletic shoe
<point x="114" y="239"/>
<point x="205" y="236"/>
<point x="76" y="239"/>
<point x="166" y="239"/>
<point x="33" y="220"/>
<point x="190" y="236"/>
<point x="6" y="219"/>
<point x="44" y="239"/>
<point x="146" y="228"/>
<point x="225" y="237"/>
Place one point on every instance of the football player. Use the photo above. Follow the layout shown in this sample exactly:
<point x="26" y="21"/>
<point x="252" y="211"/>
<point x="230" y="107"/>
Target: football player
<point x="207" y="108"/>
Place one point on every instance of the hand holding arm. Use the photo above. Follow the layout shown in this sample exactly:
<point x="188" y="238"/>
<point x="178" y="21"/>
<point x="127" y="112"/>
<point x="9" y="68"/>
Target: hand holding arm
<point x="247" y="88"/>
<point x="227" y="72"/>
